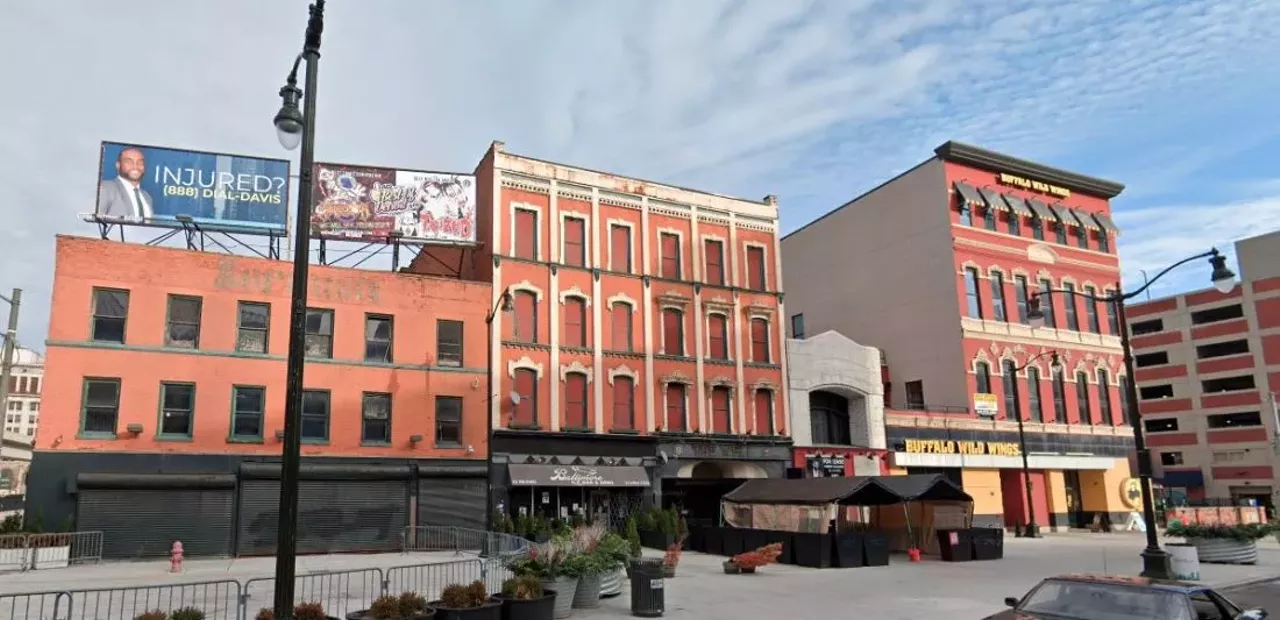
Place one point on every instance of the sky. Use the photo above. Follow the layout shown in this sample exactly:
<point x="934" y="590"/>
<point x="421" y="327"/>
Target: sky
<point x="814" y="101"/>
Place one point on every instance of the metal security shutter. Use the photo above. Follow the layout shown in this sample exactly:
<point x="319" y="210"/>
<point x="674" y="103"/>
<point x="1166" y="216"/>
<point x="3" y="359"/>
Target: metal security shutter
<point x="259" y="510"/>
<point x="457" y="502"/>
<point x="144" y="522"/>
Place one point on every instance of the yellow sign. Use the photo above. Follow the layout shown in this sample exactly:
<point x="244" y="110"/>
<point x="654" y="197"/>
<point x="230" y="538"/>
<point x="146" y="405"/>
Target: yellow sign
<point x="972" y="448"/>
<point x="1038" y="186"/>
<point x="986" y="405"/>
<point x="1131" y="493"/>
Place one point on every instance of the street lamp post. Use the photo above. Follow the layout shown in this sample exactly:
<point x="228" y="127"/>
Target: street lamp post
<point x="1155" y="561"/>
<point x="1032" y="529"/>
<point x="503" y="304"/>
<point x="294" y="126"/>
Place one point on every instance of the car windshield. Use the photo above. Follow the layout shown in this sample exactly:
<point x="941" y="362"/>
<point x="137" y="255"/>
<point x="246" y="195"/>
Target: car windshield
<point x="1100" y="601"/>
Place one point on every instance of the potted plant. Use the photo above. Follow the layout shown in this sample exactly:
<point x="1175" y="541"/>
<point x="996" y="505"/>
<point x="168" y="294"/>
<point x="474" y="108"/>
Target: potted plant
<point x="407" y="606"/>
<point x="186" y="613"/>
<point x="1223" y="544"/>
<point x="301" y="611"/>
<point x="524" y="598"/>
<point x="546" y="563"/>
<point x="671" y="558"/>
<point x="633" y="542"/>
<point x="614" y="552"/>
<point x="749" y="561"/>
<point x="588" y="564"/>
<point x="154" y="614"/>
<point x="459" y="602"/>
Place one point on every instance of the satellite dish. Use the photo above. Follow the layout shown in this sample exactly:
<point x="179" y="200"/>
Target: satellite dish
<point x="514" y="396"/>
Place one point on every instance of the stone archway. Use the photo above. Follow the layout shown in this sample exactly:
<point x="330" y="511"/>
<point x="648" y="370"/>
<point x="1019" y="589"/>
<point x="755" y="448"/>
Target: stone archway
<point x="706" y="470"/>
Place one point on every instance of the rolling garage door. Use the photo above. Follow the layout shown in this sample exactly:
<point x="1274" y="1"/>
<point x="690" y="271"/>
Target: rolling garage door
<point x="341" y="508"/>
<point x="141" y="515"/>
<point x="457" y="502"/>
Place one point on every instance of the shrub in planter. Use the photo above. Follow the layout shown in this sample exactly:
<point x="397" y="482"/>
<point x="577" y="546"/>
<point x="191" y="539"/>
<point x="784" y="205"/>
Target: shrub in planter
<point x="671" y="559"/>
<point x="154" y="614"/>
<point x="471" y="602"/>
<point x="186" y="613"/>
<point x="613" y="552"/>
<point x="301" y="611"/>
<point x="1223" y="544"/>
<point x="407" y="606"/>
<point x="633" y="537"/>
<point x="749" y="561"/>
<point x="524" y="598"/>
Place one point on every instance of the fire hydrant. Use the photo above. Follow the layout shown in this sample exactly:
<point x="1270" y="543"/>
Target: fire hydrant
<point x="175" y="557"/>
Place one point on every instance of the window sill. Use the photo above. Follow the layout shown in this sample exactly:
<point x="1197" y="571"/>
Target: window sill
<point x="674" y="358"/>
<point x="245" y="439"/>
<point x="524" y="427"/>
<point x="177" y="438"/>
<point x="106" y="342"/>
<point x="449" y="363"/>
<point x="178" y="347"/>
<point x="769" y="365"/>
<point x="96" y="435"/>
<point x="375" y="444"/>
<point x="623" y="431"/>
<point x="449" y="445"/>
<point x="309" y="441"/>
<point x="578" y="429"/>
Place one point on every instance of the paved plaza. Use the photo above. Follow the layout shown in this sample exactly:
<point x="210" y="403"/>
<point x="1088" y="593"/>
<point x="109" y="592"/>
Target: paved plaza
<point x="701" y="589"/>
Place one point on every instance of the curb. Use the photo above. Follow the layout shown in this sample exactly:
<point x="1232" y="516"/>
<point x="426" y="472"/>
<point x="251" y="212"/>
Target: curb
<point x="1244" y="583"/>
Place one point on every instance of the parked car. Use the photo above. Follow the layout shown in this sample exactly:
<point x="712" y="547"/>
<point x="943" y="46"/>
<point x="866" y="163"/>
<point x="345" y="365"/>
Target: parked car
<point x="1111" y="597"/>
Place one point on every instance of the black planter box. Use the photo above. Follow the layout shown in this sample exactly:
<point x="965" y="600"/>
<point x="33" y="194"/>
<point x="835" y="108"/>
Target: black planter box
<point x="847" y="551"/>
<point x="537" y="609"/>
<point x="875" y="549"/>
<point x="812" y="550"/>
<point x="988" y="543"/>
<point x="961" y="550"/>
<point x="694" y="541"/>
<point x="788" y="552"/>
<point x="489" y="611"/>
<point x="655" y="540"/>
<point x="713" y="540"/>
<point x="733" y="541"/>
<point x="754" y="539"/>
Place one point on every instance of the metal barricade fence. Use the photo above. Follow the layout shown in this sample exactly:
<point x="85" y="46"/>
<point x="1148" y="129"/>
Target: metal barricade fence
<point x="219" y="600"/>
<point x="35" y="606"/>
<point x="461" y="540"/>
<point x="340" y="592"/>
<point x="54" y="550"/>
<point x="430" y="580"/>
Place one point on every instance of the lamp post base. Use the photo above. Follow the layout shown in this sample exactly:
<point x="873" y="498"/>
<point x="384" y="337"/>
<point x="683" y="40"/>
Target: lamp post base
<point x="1157" y="564"/>
<point x="1031" y="530"/>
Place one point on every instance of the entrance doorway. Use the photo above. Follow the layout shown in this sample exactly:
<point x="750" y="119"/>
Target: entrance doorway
<point x="1075" y="505"/>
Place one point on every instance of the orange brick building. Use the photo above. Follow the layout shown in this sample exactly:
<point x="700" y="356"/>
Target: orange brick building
<point x="644" y="348"/>
<point x="164" y="401"/>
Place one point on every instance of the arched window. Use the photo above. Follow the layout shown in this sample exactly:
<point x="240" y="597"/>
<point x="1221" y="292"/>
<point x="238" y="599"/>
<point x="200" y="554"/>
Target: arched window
<point x="829" y="418"/>
<point x="624" y="403"/>
<point x="525" y="326"/>
<point x="1104" y="397"/>
<point x="718" y="336"/>
<point x="760" y="341"/>
<point x="620" y="320"/>
<point x="982" y="373"/>
<point x="1010" y="390"/>
<point x="764" y="412"/>
<point x="1082" y="398"/>
<point x="1059" y="398"/>
<point x="721" y="410"/>
<point x="677" y="419"/>
<point x="526" y="412"/>
<point x="575" y="401"/>
<point x="672" y="331"/>
<point x="1033" y="395"/>
<point x="575" y="322"/>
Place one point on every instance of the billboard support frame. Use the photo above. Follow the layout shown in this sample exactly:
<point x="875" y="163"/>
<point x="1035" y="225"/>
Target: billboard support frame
<point x="195" y="236"/>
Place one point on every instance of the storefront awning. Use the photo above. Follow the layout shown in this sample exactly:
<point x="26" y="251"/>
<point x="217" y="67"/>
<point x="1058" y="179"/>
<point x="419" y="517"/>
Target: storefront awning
<point x="1085" y="220"/>
<point x="1105" y="222"/>
<point x="1042" y="210"/>
<point x="1065" y="215"/>
<point x="1015" y="203"/>
<point x="994" y="199"/>
<point x="969" y="194"/>
<point x="1189" y="478"/>
<point x="577" y="476"/>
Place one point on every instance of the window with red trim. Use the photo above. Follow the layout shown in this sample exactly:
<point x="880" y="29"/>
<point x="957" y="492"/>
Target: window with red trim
<point x="714" y="251"/>
<point x="718" y="330"/>
<point x="672" y="332"/>
<point x="620" y="248"/>
<point x="526" y="234"/>
<point x="575" y="400"/>
<point x="525" y="326"/>
<point x="720" y="410"/>
<point x="624" y="403"/>
<point x="755" y="268"/>
<point x="620" y="323"/>
<point x="760" y="340"/>
<point x="764" y="412"/>
<point x="575" y="322"/>
<point x="676" y="407"/>
<point x="575" y="246"/>
<point x="526" y="412"/>
<point x="670" y="256"/>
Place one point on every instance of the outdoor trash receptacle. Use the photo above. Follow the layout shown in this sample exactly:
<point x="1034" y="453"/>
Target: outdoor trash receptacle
<point x="648" y="598"/>
<point x="955" y="545"/>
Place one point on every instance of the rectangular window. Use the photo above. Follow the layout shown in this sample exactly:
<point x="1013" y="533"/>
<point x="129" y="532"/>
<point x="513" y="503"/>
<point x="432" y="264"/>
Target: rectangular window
<point x="1037" y="228"/>
<point x="526" y="412"/>
<point x="966" y="213"/>
<point x="1104" y="242"/>
<point x="377" y="338"/>
<point x="1033" y="395"/>
<point x="1214" y="315"/>
<point x="620" y="318"/>
<point x="448" y="421"/>
<point x="670" y="247"/>
<point x="525" y="326"/>
<point x="1069" y="304"/>
<point x="1104" y="397"/>
<point x="1122" y="386"/>
<point x="110" y="311"/>
<point x="1222" y="349"/>
<point x="797" y="326"/>
<point x="1046" y="304"/>
<point x="575" y="246"/>
<point x="1082" y="238"/>
<point x="1015" y="224"/>
<point x="972" y="298"/>
<point x="375" y="418"/>
<point x="1162" y="425"/>
<point x="315" y="415"/>
<point x="624" y="403"/>
<point x="1170" y="458"/>
<point x="177" y="410"/>
<point x="760" y="352"/>
<point x="620" y="248"/>
<point x="1090" y="299"/>
<point x="714" y="251"/>
<point x="248" y="405"/>
<point x="35" y="387"/>
<point x="676" y="407"/>
<point x="1059" y="398"/>
<point x="1234" y="420"/>
<point x="1229" y="456"/>
<point x="1060" y="231"/>
<point x="982" y="378"/>
<point x="672" y="332"/>
<point x="756" y="279"/>
<point x="449" y="343"/>
<point x="1151" y="359"/>
<point x="183" y="326"/>
<point x="989" y="218"/>
<point x="914" y="394"/>
<point x="1153" y="392"/>
<point x="575" y="401"/>
<point x="1020" y="297"/>
<point x="719" y="336"/>
<point x="526" y="234"/>
<point x="101" y="409"/>
<point x="1145" y="327"/>
<point x="764" y="412"/>
<point x="1010" y="389"/>
<point x="253" y="327"/>
<point x="575" y="322"/>
<point x="721" y="413"/>
<point x="1228" y="384"/>
<point x="319" y="338"/>
<point x="997" y="296"/>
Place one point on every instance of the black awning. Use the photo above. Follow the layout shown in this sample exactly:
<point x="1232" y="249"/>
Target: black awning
<point x="969" y="194"/>
<point x="924" y="488"/>
<point x="577" y="476"/>
<point x="1042" y="210"/>
<point x="993" y="199"/>
<point x="1064" y="215"/>
<point x="1016" y="203"/>
<point x="1084" y="219"/>
<point x="1105" y="222"/>
<point x="795" y="490"/>
<point x="154" y="481"/>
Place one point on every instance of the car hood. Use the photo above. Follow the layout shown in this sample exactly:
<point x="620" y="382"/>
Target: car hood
<point x="1012" y="614"/>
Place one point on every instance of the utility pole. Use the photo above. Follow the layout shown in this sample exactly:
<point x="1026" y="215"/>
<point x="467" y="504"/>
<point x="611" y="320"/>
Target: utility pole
<point x="6" y="365"/>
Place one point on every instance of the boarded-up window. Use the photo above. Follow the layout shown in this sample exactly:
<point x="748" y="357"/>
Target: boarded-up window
<point x="525" y="328"/>
<point x="575" y="323"/>
<point x="676" y="407"/>
<point x="624" y="403"/>
<point x="764" y="412"/>
<point x="575" y="247"/>
<point x="760" y="341"/>
<point x="670" y="256"/>
<point x="715" y="261"/>
<point x="527" y="234"/>
<point x="526" y="412"/>
<point x="575" y="400"/>
<point x="620" y="319"/>
<point x="720" y="413"/>
<point x="620" y="248"/>
<point x="755" y="268"/>
<point x="717" y="326"/>
<point x="672" y="332"/>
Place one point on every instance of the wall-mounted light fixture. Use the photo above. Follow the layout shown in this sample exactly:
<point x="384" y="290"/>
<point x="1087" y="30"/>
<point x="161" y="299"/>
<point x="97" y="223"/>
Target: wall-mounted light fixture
<point x="415" y="440"/>
<point x="134" y="429"/>
<point x="279" y="434"/>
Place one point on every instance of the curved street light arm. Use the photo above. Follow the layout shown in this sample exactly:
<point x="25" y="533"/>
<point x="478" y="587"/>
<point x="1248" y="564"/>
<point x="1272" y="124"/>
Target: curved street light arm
<point x="1145" y="286"/>
<point x="1027" y="364"/>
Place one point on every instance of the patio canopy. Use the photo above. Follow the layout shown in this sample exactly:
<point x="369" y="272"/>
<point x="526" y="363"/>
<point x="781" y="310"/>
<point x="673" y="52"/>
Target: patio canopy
<point x="856" y="490"/>
<point x="924" y="488"/>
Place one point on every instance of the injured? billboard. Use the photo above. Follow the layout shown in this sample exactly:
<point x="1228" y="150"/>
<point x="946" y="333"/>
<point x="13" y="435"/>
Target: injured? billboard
<point x="364" y="203"/>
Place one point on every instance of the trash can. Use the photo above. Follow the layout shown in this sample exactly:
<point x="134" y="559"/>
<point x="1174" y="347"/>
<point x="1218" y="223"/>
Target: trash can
<point x="955" y="545"/>
<point x="648" y="598"/>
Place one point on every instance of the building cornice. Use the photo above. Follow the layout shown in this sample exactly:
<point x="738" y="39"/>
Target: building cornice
<point x="960" y="153"/>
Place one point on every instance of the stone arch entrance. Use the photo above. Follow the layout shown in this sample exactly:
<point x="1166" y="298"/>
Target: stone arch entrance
<point x="837" y="416"/>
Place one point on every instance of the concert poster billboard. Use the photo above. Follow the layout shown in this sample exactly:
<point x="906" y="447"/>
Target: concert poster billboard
<point x="155" y="186"/>
<point x="366" y="203"/>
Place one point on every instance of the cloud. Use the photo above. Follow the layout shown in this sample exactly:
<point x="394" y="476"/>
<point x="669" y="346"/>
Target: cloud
<point x="811" y="100"/>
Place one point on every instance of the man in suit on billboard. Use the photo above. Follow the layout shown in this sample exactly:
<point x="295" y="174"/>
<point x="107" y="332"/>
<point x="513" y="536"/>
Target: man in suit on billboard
<point x="123" y="196"/>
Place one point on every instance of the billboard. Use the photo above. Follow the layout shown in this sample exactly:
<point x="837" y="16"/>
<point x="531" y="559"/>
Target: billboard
<point x="154" y="185"/>
<point x="359" y="202"/>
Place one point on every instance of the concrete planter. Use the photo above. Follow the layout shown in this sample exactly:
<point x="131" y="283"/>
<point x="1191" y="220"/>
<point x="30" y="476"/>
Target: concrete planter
<point x="611" y="583"/>
<point x="1184" y="560"/>
<point x="587" y="595"/>
<point x="51" y="557"/>
<point x="565" y="588"/>
<point x="1225" y="550"/>
<point x="15" y="559"/>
